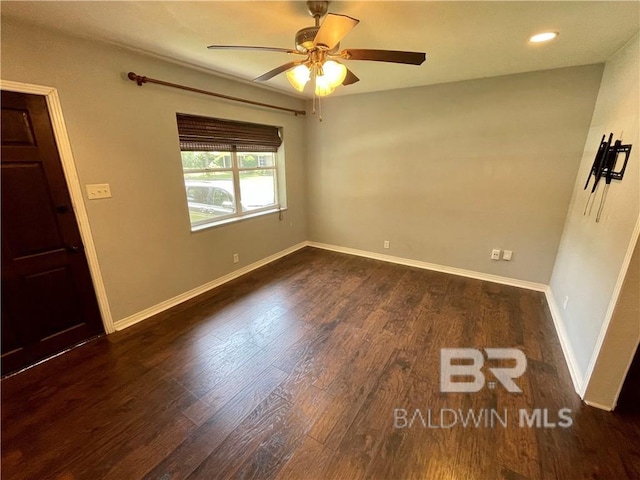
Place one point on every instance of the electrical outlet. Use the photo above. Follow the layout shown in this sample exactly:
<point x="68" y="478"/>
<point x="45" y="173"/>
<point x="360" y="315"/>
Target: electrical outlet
<point x="386" y="244"/>
<point x="507" y="254"/>
<point x="566" y="301"/>
<point x="98" y="190"/>
<point x="495" y="254"/>
<point x="236" y="258"/>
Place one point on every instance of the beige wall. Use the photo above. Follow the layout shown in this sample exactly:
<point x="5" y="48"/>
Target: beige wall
<point x="126" y="136"/>
<point x="620" y="342"/>
<point x="448" y="172"/>
<point x="445" y="172"/>
<point x="591" y="254"/>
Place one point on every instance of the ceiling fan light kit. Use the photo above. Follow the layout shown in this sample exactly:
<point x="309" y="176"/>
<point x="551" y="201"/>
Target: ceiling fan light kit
<point x="320" y="44"/>
<point x="299" y="76"/>
<point x="333" y="72"/>
<point x="327" y="76"/>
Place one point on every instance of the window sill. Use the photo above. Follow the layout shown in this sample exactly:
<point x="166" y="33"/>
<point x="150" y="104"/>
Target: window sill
<point x="227" y="221"/>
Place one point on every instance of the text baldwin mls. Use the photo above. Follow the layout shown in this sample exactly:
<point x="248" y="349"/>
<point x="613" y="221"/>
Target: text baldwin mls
<point x="482" y="418"/>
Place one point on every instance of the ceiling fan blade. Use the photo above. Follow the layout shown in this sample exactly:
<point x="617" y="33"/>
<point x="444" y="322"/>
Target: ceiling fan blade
<point x="333" y="29"/>
<point x="249" y="47"/>
<point x="393" y="56"/>
<point x="350" y="78"/>
<point x="276" y="71"/>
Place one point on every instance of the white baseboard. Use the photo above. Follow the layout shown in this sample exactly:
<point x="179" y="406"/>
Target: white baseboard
<point x="576" y="377"/>
<point x="567" y="350"/>
<point x="514" y="282"/>
<point x="183" y="297"/>
<point x="565" y="343"/>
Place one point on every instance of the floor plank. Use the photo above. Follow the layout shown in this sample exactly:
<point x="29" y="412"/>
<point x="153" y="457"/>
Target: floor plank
<point x="301" y="370"/>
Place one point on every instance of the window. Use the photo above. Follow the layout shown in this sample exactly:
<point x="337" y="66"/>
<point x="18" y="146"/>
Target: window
<point x="230" y="168"/>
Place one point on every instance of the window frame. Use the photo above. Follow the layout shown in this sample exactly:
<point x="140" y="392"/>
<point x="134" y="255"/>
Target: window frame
<point x="235" y="171"/>
<point x="232" y="138"/>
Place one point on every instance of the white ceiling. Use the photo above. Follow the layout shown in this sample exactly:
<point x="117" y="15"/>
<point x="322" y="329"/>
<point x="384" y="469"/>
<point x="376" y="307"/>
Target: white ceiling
<point x="463" y="40"/>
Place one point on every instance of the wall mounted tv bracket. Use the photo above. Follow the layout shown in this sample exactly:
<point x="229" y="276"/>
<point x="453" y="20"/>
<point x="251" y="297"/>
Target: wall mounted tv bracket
<point x="604" y="167"/>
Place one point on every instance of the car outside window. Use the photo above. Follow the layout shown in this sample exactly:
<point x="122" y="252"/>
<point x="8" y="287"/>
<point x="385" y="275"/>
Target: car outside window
<point x="221" y="185"/>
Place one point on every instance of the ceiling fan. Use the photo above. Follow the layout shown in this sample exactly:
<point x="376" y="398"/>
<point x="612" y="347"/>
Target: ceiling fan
<point x="319" y="45"/>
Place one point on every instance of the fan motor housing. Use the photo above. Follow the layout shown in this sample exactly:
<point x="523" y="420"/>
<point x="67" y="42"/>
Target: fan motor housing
<point x="304" y="38"/>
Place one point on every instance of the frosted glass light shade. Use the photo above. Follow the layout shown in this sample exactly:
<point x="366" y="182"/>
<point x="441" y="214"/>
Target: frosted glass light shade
<point x="334" y="72"/>
<point x="323" y="88"/>
<point x="298" y="77"/>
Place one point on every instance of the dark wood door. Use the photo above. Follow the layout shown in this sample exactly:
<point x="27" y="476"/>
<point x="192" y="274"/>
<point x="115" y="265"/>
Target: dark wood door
<point x="629" y="400"/>
<point x="48" y="301"/>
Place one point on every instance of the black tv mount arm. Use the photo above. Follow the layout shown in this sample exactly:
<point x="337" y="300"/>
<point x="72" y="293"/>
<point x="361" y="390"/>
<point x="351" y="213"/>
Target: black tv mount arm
<point x="604" y="167"/>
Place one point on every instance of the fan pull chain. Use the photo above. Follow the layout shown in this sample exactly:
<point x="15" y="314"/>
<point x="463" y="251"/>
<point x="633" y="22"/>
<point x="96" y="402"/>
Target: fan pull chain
<point x="315" y="96"/>
<point x="313" y="77"/>
<point x="313" y="111"/>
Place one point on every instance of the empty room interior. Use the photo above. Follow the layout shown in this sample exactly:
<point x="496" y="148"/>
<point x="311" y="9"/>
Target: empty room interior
<point x="320" y="240"/>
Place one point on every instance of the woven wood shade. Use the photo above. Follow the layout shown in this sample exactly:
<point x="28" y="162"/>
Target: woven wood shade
<point x="213" y="134"/>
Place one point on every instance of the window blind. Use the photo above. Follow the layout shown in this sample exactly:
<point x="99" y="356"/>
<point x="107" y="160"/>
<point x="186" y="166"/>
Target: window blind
<point x="213" y="134"/>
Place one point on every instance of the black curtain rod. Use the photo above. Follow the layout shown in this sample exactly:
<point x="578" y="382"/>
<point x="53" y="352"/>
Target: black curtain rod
<point x="140" y="80"/>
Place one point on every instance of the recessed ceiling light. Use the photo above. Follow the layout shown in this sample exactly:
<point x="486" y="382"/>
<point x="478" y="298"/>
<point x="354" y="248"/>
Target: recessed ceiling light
<point x="543" y="37"/>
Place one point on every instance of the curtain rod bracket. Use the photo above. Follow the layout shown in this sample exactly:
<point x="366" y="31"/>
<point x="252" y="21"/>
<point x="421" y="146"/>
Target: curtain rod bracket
<point x="140" y="80"/>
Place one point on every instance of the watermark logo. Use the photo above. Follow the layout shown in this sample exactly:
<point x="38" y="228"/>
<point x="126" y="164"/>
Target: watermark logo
<point x="481" y="418"/>
<point x="462" y="370"/>
<point x="505" y="376"/>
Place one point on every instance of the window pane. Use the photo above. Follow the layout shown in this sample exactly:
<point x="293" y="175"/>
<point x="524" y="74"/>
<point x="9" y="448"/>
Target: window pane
<point x="257" y="189"/>
<point x="202" y="160"/>
<point x="256" y="160"/>
<point x="210" y="195"/>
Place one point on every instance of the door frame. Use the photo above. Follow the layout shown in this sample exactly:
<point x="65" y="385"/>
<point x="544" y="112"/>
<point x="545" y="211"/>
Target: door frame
<point x="608" y="319"/>
<point x="74" y="187"/>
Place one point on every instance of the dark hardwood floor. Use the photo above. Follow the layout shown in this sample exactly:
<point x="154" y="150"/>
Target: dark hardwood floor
<point x="295" y="370"/>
